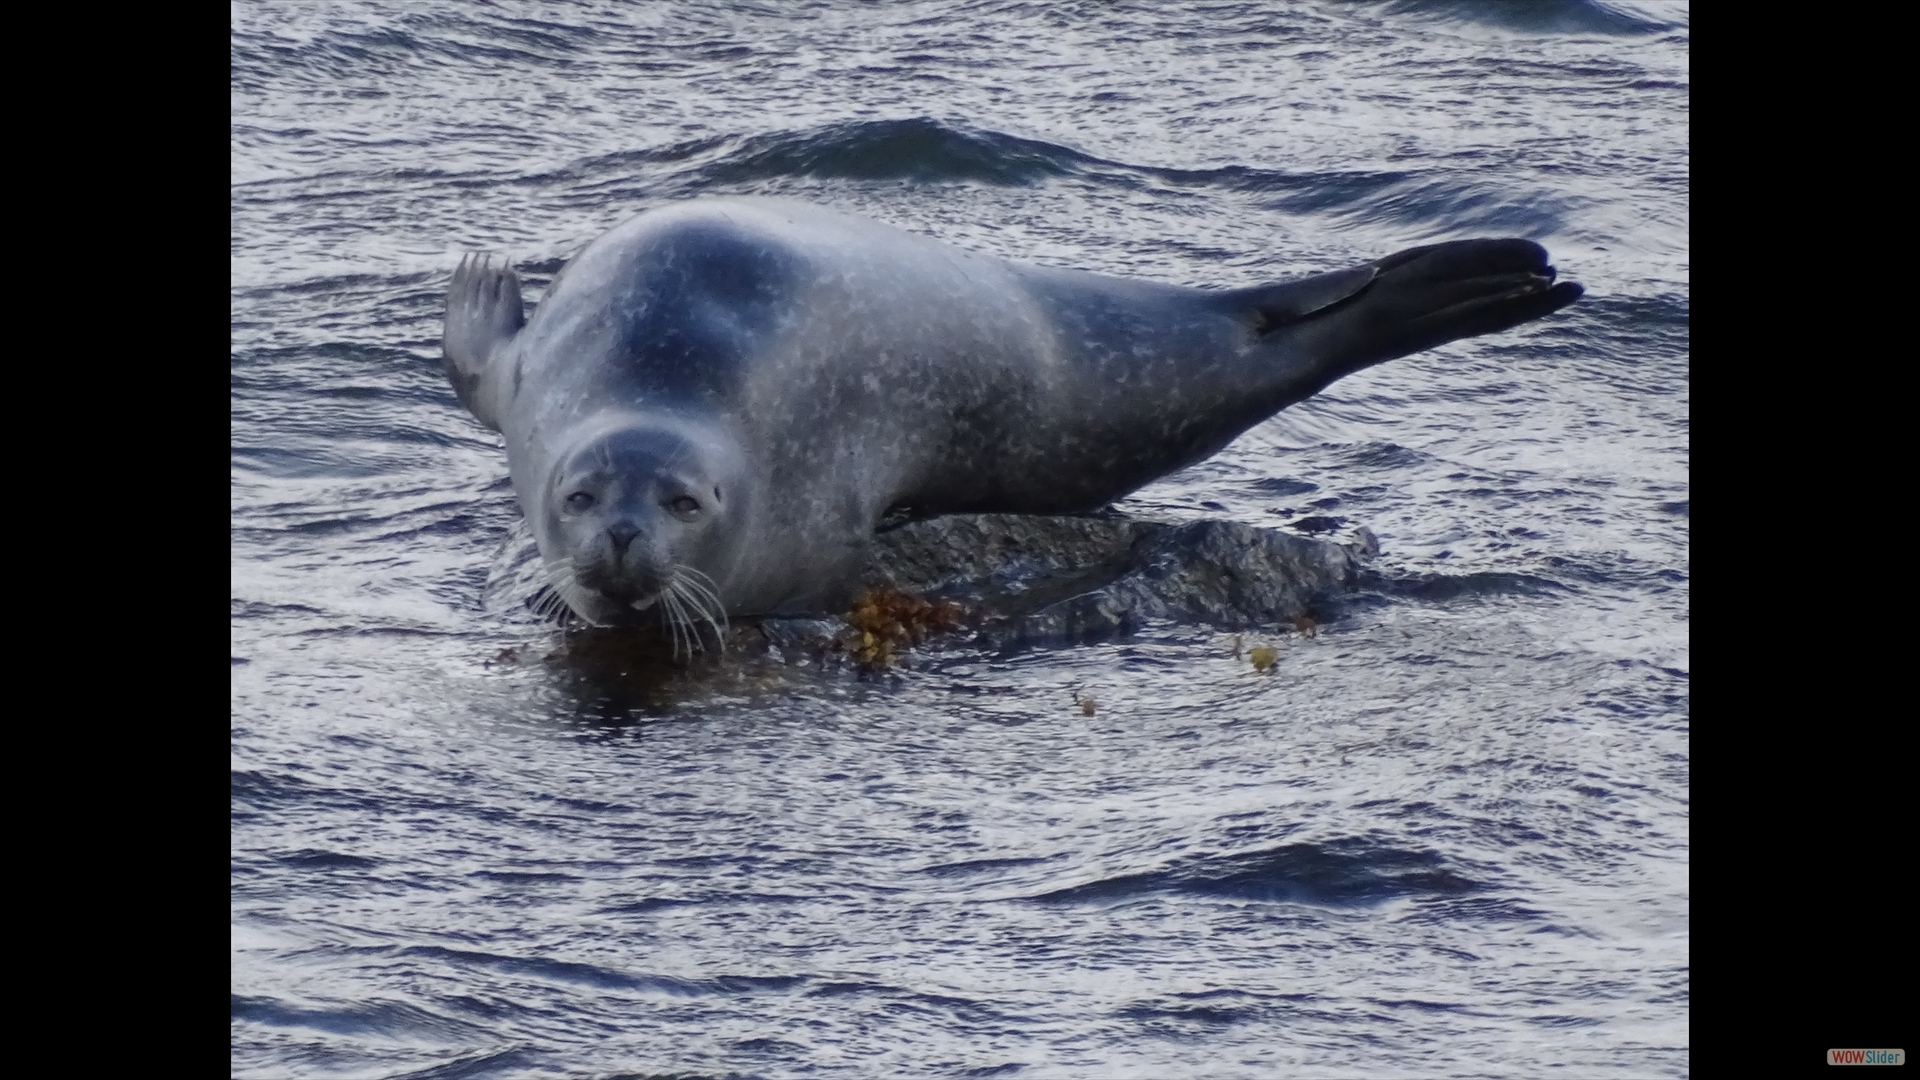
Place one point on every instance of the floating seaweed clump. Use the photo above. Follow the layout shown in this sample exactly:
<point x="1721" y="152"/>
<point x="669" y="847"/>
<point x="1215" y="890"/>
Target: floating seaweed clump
<point x="887" y="621"/>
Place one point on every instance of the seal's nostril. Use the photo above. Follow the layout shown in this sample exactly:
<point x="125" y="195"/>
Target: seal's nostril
<point x="622" y="535"/>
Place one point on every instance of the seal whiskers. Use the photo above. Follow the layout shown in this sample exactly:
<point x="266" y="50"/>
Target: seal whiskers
<point x="686" y="600"/>
<point x="676" y="622"/>
<point x="684" y="605"/>
<point x="698" y="591"/>
<point x="555" y="602"/>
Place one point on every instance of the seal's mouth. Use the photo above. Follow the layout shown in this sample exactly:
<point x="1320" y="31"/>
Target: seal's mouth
<point x="688" y="603"/>
<point x="622" y="587"/>
<point x="619" y="604"/>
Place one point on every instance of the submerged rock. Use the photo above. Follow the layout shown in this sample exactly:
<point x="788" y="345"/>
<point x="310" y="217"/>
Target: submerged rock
<point x="1057" y="580"/>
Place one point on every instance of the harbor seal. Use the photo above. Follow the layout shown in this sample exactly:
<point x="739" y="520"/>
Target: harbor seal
<point x="717" y="402"/>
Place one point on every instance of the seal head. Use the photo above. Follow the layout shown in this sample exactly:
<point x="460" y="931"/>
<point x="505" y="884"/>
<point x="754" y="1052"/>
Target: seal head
<point x="642" y="510"/>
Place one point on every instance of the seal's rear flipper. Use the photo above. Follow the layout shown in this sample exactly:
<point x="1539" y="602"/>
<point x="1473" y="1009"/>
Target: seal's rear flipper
<point x="1335" y="324"/>
<point x="1275" y="306"/>
<point x="1428" y="296"/>
<point x="483" y="313"/>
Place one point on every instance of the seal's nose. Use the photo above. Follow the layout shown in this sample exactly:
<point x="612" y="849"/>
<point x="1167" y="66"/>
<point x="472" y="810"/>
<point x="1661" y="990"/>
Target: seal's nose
<point x="622" y="534"/>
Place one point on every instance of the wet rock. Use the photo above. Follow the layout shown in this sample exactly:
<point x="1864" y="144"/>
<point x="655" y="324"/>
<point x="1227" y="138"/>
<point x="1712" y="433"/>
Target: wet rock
<point x="1045" y="580"/>
<point x="1056" y="580"/>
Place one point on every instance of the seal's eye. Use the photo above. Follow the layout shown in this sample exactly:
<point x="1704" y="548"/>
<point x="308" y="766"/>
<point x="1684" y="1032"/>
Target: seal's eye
<point x="579" y="502"/>
<point x="684" y="508"/>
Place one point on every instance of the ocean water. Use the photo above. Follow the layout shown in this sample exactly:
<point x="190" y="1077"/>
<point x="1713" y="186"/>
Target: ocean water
<point x="1447" y="836"/>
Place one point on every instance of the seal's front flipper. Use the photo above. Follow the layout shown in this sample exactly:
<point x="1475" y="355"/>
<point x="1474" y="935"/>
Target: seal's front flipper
<point x="483" y="314"/>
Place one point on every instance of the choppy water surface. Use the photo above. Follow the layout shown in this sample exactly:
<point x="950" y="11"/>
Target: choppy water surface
<point x="1448" y="836"/>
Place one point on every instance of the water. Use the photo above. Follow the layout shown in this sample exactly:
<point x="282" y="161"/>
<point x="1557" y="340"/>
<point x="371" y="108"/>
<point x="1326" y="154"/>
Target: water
<point x="1448" y="836"/>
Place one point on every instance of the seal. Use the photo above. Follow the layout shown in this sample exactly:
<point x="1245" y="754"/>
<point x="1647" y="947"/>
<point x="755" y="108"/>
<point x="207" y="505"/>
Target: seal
<point x="718" y="402"/>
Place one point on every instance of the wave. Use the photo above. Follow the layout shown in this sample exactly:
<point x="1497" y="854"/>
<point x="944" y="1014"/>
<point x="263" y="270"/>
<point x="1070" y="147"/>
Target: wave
<point x="918" y="148"/>
<point x="596" y="975"/>
<point x="389" y="1018"/>
<point x="922" y="150"/>
<point x="299" y="46"/>
<point x="1439" y="588"/>
<point x="925" y="150"/>
<point x="1338" y="873"/>
<point x="1541" y="16"/>
<point x="1186" y="1014"/>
